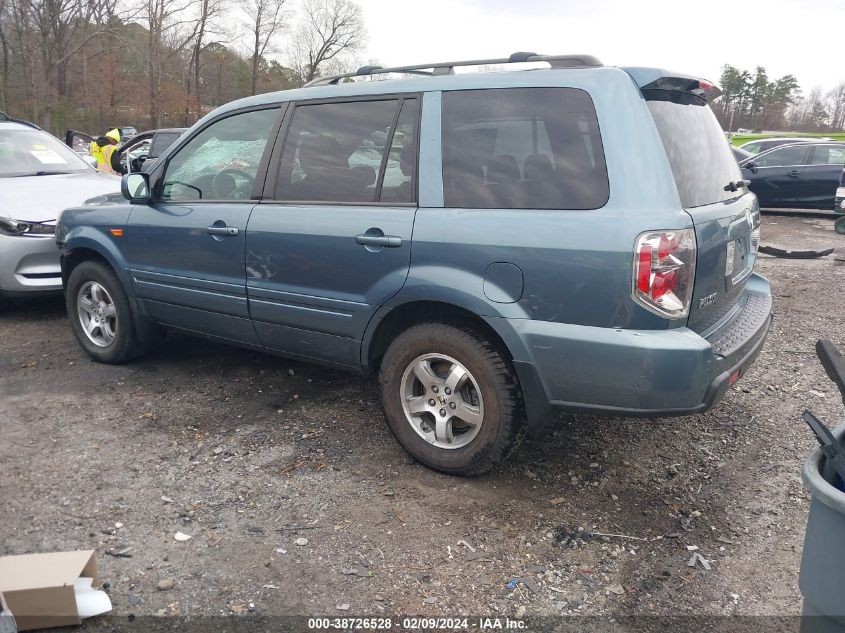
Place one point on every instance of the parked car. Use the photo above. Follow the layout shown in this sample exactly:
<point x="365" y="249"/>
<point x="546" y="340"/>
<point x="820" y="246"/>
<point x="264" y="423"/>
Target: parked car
<point x="132" y="154"/>
<point x="504" y="258"/>
<point x="140" y="152"/>
<point x="801" y="176"/>
<point x="39" y="176"/>
<point x="126" y="132"/>
<point x="761" y="145"/>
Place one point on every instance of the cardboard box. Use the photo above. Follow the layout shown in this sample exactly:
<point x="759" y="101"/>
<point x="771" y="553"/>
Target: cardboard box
<point x="39" y="591"/>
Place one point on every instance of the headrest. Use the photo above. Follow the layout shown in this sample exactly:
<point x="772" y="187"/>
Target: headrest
<point x="317" y="151"/>
<point x="538" y="167"/>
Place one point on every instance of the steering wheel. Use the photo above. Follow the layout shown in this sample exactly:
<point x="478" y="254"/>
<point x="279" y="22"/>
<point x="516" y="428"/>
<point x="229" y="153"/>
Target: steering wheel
<point x="138" y="162"/>
<point x="227" y="188"/>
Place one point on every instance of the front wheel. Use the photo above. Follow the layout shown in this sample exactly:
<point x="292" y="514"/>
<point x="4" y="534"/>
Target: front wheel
<point x="839" y="225"/>
<point x="450" y="398"/>
<point x="100" y="315"/>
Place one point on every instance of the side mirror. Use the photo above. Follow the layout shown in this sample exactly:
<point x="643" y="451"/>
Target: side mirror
<point x="135" y="187"/>
<point x="750" y="167"/>
<point x="91" y="161"/>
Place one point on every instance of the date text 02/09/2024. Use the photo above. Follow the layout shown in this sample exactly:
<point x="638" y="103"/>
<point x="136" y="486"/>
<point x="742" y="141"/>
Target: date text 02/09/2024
<point x="414" y="623"/>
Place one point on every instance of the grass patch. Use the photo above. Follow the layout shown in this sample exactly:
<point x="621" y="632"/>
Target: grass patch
<point x="739" y="139"/>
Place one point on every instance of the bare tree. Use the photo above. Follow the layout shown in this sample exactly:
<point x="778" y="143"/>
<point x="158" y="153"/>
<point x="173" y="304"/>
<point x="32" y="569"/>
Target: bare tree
<point x="209" y="11"/>
<point x="170" y="30"/>
<point x="328" y="29"/>
<point x="4" y="51"/>
<point x="267" y="18"/>
<point x="837" y="106"/>
<point x="60" y="29"/>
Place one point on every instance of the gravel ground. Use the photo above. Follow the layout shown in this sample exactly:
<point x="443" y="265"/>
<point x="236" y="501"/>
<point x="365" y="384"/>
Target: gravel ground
<point x="299" y="501"/>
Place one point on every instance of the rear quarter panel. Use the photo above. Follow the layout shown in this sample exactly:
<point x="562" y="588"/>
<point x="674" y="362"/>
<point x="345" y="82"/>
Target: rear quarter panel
<point x="576" y="265"/>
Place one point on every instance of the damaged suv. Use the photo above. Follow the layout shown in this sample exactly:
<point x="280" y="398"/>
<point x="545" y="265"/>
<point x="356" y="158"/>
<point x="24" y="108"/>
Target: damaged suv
<point x="497" y="245"/>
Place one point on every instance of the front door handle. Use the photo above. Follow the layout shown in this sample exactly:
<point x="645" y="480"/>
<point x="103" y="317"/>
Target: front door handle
<point x="794" y="173"/>
<point x="388" y="241"/>
<point x="223" y="231"/>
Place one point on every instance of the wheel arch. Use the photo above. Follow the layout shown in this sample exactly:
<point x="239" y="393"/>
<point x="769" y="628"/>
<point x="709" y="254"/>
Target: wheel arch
<point x="400" y="317"/>
<point x="83" y="247"/>
<point x="389" y="322"/>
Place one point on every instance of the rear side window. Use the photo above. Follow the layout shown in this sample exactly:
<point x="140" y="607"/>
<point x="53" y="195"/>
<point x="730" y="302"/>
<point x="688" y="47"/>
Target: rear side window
<point x="161" y="142"/>
<point x="828" y="155"/>
<point x="349" y="153"/>
<point x="699" y="154"/>
<point x="522" y="148"/>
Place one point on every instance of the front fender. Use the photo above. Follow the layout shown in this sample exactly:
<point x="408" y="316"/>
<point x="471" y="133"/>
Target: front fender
<point x="99" y="241"/>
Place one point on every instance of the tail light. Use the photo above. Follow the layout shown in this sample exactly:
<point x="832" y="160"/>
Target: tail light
<point x="664" y="271"/>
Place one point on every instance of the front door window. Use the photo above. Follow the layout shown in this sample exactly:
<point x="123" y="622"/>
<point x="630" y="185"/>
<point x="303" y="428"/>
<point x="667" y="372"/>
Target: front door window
<point x="221" y="162"/>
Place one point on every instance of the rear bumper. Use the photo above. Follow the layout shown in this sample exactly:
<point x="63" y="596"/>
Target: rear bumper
<point x="29" y="265"/>
<point x="648" y="373"/>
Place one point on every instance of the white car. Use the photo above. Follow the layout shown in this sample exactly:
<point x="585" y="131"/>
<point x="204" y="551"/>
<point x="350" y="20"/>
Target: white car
<point x="39" y="177"/>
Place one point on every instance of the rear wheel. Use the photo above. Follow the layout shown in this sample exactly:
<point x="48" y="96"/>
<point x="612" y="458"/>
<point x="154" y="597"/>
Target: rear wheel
<point x="450" y="398"/>
<point x="100" y="314"/>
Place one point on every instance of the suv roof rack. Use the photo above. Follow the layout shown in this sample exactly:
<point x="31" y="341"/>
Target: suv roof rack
<point x="448" y="68"/>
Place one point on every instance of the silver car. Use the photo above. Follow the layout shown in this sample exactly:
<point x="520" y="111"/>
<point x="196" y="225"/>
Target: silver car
<point x="39" y="176"/>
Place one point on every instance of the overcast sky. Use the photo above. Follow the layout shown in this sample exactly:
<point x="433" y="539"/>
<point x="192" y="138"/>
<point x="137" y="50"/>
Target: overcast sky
<point x="805" y="38"/>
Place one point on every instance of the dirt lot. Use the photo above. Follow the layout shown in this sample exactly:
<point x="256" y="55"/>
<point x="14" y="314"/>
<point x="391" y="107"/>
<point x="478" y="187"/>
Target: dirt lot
<point x="250" y="454"/>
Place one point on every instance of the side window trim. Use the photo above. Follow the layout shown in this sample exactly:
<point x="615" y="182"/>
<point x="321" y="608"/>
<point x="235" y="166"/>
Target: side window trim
<point x="274" y="164"/>
<point x="157" y="175"/>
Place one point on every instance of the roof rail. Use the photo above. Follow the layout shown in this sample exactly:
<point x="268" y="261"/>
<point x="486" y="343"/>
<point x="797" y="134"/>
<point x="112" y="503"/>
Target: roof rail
<point x="5" y="118"/>
<point x="448" y="68"/>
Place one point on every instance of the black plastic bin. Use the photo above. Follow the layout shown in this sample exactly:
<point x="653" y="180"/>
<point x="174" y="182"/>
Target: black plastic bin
<point x="822" y="578"/>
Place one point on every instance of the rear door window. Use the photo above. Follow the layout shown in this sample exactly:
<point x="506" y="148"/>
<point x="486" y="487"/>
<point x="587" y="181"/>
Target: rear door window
<point x="522" y="148"/>
<point x="700" y="157"/>
<point x="350" y="152"/>
<point x="828" y="155"/>
<point x="787" y="156"/>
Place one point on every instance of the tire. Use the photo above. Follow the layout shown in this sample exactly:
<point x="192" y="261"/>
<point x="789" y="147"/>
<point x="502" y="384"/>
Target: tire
<point x="488" y="395"/>
<point x="839" y="226"/>
<point x="94" y="286"/>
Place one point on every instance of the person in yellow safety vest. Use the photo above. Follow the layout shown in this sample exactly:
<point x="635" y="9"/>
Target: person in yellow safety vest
<point x="102" y="149"/>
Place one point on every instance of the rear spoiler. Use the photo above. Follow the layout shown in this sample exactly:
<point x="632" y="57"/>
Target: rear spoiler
<point x="657" y="79"/>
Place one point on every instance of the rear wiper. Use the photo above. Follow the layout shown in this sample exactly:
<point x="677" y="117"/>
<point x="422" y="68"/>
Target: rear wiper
<point x="735" y="185"/>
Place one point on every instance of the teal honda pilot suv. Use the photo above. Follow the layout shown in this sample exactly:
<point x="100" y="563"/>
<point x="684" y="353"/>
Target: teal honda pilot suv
<point x="496" y="245"/>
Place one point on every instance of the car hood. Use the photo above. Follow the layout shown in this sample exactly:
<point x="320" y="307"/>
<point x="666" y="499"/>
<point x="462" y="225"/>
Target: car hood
<point x="43" y="198"/>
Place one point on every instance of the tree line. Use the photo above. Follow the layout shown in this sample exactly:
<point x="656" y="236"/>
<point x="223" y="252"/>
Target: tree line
<point x="94" y="64"/>
<point x="752" y="100"/>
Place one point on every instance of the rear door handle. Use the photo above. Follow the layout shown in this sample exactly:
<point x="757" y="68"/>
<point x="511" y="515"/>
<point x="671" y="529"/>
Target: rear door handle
<point x="223" y="231"/>
<point x="794" y="173"/>
<point x="388" y="241"/>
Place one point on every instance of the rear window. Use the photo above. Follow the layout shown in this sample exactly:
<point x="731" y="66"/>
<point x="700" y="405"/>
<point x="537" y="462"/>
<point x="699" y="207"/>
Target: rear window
<point x="698" y="152"/>
<point x="522" y="148"/>
<point x="161" y="142"/>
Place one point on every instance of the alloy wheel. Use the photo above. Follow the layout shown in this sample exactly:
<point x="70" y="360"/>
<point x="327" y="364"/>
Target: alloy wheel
<point x="97" y="314"/>
<point x="442" y="401"/>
